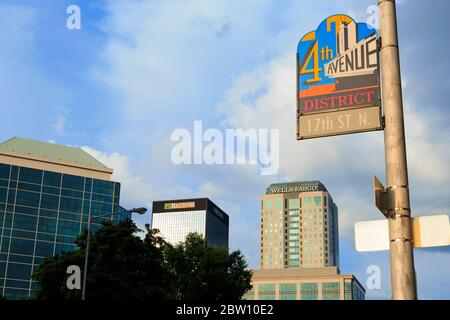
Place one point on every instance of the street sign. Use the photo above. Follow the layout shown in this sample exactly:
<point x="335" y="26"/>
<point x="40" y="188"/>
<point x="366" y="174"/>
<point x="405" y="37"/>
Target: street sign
<point x="338" y="88"/>
<point x="372" y="235"/>
<point x="339" y="122"/>
<point x="427" y="231"/>
<point x="431" y="231"/>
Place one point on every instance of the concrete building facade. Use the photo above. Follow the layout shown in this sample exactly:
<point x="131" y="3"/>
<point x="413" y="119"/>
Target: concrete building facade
<point x="304" y="284"/>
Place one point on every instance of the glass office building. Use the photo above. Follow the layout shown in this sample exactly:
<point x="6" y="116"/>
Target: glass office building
<point x="46" y="197"/>
<point x="175" y="219"/>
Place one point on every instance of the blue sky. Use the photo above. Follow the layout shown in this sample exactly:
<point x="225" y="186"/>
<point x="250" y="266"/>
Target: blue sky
<point x="138" y="70"/>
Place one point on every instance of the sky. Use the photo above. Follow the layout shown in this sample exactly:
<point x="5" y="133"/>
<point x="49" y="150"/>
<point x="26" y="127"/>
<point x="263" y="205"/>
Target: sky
<point x="138" y="70"/>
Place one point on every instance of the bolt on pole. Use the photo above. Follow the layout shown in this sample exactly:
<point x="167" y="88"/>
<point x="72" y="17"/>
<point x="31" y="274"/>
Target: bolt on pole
<point x="403" y="277"/>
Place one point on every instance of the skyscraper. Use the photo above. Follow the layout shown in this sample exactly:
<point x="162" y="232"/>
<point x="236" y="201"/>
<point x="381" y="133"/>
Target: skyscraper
<point x="300" y="247"/>
<point x="175" y="219"/>
<point x="47" y="192"/>
<point x="299" y="227"/>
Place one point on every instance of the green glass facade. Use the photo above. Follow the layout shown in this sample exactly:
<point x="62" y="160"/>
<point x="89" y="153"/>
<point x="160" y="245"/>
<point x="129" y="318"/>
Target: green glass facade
<point x="288" y="291"/>
<point x="311" y="290"/>
<point x="266" y="292"/>
<point x="331" y="291"/>
<point x="41" y="214"/>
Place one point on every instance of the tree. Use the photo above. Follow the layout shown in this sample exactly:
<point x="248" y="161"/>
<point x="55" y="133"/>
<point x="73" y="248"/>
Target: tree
<point x="52" y="277"/>
<point x="122" y="266"/>
<point x="203" y="272"/>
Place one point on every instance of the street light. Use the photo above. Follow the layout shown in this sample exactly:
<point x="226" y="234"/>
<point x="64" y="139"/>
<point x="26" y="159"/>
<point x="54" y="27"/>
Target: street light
<point x="140" y="210"/>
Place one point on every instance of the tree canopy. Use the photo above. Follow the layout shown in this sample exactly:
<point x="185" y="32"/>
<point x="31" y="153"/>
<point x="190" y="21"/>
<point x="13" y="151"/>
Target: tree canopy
<point x="204" y="272"/>
<point x="124" y="266"/>
<point x="121" y="266"/>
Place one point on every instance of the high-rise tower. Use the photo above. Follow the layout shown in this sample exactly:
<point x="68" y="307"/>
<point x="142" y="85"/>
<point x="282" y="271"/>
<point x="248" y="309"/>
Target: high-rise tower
<point x="299" y="227"/>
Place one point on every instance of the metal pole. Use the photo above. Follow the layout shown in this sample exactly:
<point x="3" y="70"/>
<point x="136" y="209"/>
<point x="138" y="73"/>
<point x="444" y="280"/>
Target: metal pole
<point x="403" y="279"/>
<point x="86" y="257"/>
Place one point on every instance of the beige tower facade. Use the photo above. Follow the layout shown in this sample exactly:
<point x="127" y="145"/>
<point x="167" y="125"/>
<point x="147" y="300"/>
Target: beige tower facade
<point x="300" y="247"/>
<point x="299" y="227"/>
<point x="304" y="284"/>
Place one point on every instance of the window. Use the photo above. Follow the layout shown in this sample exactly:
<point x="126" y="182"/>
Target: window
<point x="22" y="246"/>
<point x="293" y="214"/>
<point x="52" y="179"/>
<point x="4" y="171"/>
<point x="309" y="291"/>
<point x="29" y="199"/>
<point x="293" y="263"/>
<point x="358" y="293"/>
<point x="317" y="201"/>
<point x="307" y="202"/>
<point x="331" y="291"/>
<point x="288" y="291"/>
<point x="30" y="175"/>
<point x="293" y="204"/>
<point x="278" y="203"/>
<point x="266" y="291"/>
<point x="348" y="290"/>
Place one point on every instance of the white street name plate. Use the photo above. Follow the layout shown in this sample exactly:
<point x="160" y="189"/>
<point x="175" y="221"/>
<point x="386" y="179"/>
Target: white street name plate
<point x="428" y="231"/>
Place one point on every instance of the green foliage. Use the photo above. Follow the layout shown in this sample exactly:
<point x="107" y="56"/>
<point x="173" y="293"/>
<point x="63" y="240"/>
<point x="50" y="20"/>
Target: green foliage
<point x="122" y="266"/>
<point x="51" y="277"/>
<point x="202" y="272"/>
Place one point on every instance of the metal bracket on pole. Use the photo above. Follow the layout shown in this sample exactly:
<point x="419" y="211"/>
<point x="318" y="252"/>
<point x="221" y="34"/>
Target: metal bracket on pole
<point x="379" y="43"/>
<point x="380" y="196"/>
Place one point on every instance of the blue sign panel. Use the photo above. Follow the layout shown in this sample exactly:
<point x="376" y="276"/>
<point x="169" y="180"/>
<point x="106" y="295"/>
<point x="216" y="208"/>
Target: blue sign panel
<point x="337" y="68"/>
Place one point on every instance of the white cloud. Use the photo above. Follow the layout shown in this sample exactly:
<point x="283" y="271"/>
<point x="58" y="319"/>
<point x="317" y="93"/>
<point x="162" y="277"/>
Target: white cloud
<point x="135" y="190"/>
<point x="265" y="98"/>
<point x="152" y="61"/>
<point x="59" y="125"/>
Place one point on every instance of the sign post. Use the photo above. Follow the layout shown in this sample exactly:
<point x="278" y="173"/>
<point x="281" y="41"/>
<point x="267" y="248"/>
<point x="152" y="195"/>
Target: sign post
<point x="338" y="92"/>
<point x="403" y="276"/>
